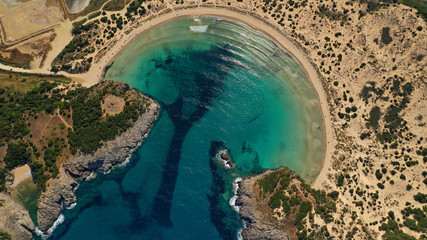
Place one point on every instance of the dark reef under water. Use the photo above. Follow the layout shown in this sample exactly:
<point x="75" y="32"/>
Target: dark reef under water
<point x="200" y="94"/>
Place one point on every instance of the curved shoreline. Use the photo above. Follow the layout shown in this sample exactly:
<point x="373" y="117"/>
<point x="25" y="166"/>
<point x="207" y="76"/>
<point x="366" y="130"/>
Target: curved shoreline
<point x="97" y="70"/>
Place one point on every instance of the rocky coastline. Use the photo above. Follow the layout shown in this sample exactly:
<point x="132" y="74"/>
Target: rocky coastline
<point x="257" y="226"/>
<point x="61" y="191"/>
<point x="14" y="218"/>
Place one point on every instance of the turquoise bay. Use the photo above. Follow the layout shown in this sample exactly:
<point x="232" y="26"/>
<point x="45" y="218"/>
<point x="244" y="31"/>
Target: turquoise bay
<point x="218" y="81"/>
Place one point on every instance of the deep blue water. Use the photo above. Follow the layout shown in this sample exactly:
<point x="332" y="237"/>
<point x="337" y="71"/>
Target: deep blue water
<point x="221" y="85"/>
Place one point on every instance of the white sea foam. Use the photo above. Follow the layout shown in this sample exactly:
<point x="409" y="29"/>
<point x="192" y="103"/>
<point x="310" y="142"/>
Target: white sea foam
<point x="218" y="156"/>
<point x="228" y="166"/>
<point x="73" y="205"/>
<point x="239" y="233"/>
<point x="91" y="176"/>
<point x="46" y="235"/>
<point x="58" y="221"/>
<point x="199" y="29"/>
<point x="232" y="201"/>
<point x="127" y="160"/>
<point x="40" y="233"/>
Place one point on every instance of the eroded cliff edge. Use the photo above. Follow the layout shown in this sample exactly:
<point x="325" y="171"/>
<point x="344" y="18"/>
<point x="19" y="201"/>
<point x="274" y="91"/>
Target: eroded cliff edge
<point x="61" y="191"/>
<point x="278" y="204"/>
<point x="257" y="223"/>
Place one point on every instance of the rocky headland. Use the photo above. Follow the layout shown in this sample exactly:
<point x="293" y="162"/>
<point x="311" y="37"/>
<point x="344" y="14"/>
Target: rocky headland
<point x="92" y="131"/>
<point x="278" y="204"/>
<point x="61" y="190"/>
<point x="257" y="225"/>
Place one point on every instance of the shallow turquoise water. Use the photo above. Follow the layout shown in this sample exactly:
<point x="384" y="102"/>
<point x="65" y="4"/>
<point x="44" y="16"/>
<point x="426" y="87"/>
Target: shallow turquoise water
<point x="217" y="81"/>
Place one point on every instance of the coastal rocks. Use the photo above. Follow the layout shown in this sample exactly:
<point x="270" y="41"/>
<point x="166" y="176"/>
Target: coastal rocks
<point x="116" y="151"/>
<point x="256" y="225"/>
<point x="222" y="155"/>
<point x="15" y="219"/>
<point x="61" y="191"/>
<point x="226" y="159"/>
<point x="225" y="219"/>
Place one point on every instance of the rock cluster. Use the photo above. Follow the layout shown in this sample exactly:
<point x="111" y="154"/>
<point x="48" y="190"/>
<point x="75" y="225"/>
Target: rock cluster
<point x="226" y="159"/>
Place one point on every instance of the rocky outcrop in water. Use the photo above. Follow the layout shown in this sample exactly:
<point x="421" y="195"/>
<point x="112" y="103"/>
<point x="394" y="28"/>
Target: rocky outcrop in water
<point x="15" y="219"/>
<point x="257" y="225"/>
<point x="61" y="191"/>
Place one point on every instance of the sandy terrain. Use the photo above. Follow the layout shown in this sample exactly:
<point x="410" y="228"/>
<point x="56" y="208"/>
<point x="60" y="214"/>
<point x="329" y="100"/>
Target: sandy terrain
<point x="27" y="20"/>
<point x="112" y="105"/>
<point x="76" y="6"/>
<point x="20" y="174"/>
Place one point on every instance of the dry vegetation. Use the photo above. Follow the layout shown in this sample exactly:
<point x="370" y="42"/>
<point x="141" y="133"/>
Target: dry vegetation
<point x="371" y="56"/>
<point x="294" y="205"/>
<point x="21" y="82"/>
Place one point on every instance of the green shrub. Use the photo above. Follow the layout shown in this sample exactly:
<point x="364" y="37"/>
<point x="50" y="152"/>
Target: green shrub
<point x="17" y="154"/>
<point x="5" y="236"/>
<point x="277" y="199"/>
<point x="393" y="231"/>
<point x="94" y="15"/>
<point x="385" y="35"/>
<point x="378" y="174"/>
<point x="340" y="180"/>
<point x="374" y="117"/>
<point x="334" y="195"/>
<point x="304" y="209"/>
<point x="421" y="197"/>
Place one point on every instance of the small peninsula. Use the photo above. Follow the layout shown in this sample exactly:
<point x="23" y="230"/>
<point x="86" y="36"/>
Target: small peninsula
<point x="65" y="133"/>
<point x="62" y="121"/>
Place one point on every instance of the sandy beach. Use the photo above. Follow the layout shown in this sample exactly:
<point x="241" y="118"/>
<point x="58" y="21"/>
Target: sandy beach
<point x="20" y="174"/>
